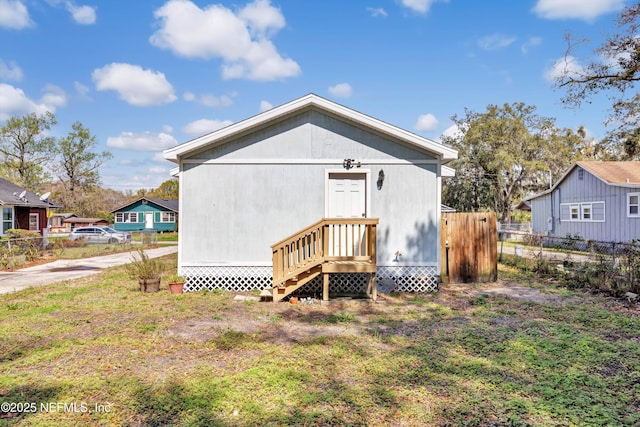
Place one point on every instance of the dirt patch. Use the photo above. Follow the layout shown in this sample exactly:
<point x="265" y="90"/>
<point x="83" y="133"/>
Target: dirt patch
<point x="287" y="323"/>
<point x="540" y="296"/>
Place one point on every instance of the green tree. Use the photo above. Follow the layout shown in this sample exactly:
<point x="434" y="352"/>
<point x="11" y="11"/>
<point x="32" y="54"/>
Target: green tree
<point x="25" y="148"/>
<point x="613" y="70"/>
<point x="505" y="154"/>
<point x="168" y="190"/>
<point x="77" y="167"/>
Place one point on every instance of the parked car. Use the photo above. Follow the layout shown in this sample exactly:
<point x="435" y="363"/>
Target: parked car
<point x="100" y="234"/>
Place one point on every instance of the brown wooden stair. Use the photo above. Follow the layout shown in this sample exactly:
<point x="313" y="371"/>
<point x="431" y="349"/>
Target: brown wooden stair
<point x="331" y="245"/>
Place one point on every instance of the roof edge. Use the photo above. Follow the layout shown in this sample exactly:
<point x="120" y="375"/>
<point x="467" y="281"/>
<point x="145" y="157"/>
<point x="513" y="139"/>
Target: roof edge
<point x="445" y="153"/>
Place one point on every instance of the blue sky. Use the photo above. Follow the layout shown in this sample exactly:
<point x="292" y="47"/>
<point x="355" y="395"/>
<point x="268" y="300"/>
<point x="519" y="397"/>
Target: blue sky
<point x="144" y="76"/>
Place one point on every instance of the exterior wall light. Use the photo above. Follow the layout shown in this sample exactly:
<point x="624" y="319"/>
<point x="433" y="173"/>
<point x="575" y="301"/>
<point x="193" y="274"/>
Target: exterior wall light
<point x="380" y="179"/>
<point x="349" y="163"/>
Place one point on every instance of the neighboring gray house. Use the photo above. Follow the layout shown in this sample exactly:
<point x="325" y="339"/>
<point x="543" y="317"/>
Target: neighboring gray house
<point x="253" y="183"/>
<point x="594" y="200"/>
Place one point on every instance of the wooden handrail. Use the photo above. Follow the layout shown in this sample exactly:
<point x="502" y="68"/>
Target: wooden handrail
<point x="343" y="239"/>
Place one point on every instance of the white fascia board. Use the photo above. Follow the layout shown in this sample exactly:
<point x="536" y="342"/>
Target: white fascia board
<point x="445" y="154"/>
<point x="448" y="172"/>
<point x="280" y="161"/>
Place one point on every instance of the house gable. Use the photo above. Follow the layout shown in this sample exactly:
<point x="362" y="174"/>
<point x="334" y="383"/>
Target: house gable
<point x="255" y="125"/>
<point x="312" y="135"/>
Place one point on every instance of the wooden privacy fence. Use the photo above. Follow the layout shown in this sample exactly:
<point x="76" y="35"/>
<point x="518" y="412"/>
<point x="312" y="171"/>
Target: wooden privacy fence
<point x="469" y="247"/>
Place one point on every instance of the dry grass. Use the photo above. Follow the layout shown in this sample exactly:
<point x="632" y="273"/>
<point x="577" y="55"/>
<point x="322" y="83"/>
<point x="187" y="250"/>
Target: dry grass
<point x="457" y="357"/>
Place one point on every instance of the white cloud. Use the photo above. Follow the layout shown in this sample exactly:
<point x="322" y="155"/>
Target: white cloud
<point x="159" y="158"/>
<point x="136" y="86"/>
<point x="135" y="180"/>
<point x="341" y="90"/>
<point x="83" y="15"/>
<point x="204" y="126"/>
<point x="54" y="96"/>
<point x="208" y="100"/>
<point x="563" y="67"/>
<point x="240" y="39"/>
<point x="13" y="101"/>
<point x="265" y="105"/>
<point x="587" y="10"/>
<point x="10" y="71"/>
<point x="157" y="169"/>
<point x="426" y="123"/>
<point x="531" y="42"/>
<point x="167" y="129"/>
<point x="377" y="11"/>
<point x="452" y="131"/>
<point x="142" y="141"/>
<point x="81" y="90"/>
<point x="420" y="6"/>
<point x="262" y="19"/>
<point x="14" y="15"/>
<point x="495" y="42"/>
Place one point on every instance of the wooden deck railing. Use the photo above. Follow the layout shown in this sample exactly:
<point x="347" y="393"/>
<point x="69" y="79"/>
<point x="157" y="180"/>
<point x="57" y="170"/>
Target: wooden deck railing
<point x="330" y="239"/>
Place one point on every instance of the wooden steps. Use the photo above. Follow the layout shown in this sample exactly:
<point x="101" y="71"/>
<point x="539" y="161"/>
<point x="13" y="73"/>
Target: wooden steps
<point x="331" y="245"/>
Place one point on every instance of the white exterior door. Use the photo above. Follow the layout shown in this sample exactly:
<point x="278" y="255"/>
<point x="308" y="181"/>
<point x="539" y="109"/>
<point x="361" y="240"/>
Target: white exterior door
<point x="148" y="220"/>
<point x="347" y="195"/>
<point x="347" y="198"/>
<point x="34" y="222"/>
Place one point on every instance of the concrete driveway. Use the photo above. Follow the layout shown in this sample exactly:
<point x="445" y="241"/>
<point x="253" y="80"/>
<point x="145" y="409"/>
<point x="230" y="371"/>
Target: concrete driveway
<point x="57" y="271"/>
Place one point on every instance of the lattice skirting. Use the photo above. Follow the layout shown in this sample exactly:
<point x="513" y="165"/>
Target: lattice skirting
<point x="248" y="278"/>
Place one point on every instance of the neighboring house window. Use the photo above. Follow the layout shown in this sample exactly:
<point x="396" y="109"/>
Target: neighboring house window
<point x="575" y="213"/>
<point x="633" y="204"/>
<point x="587" y="212"/>
<point x="168" y="217"/>
<point x="7" y="219"/>
<point x="127" y="217"/>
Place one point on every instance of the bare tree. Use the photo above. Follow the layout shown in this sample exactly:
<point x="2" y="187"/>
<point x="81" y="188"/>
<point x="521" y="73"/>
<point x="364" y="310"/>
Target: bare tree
<point x="613" y="71"/>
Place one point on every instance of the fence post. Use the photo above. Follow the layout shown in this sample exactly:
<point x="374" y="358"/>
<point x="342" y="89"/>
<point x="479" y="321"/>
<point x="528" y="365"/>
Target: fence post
<point x="613" y="256"/>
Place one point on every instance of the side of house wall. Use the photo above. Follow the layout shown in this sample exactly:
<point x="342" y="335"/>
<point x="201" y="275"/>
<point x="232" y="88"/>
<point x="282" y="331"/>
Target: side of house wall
<point x="240" y="198"/>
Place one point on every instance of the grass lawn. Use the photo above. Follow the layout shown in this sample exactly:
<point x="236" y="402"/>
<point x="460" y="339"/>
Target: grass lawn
<point x="97" y="351"/>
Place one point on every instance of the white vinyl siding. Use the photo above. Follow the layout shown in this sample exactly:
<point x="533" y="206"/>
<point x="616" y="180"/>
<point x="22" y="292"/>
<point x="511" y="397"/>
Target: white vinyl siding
<point x="633" y="205"/>
<point x="582" y="212"/>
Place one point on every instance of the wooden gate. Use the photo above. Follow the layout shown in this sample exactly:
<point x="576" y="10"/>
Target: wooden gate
<point x="469" y="247"/>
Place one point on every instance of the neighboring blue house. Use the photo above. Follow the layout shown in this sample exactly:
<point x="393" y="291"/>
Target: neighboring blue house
<point x="147" y="213"/>
<point x="594" y="200"/>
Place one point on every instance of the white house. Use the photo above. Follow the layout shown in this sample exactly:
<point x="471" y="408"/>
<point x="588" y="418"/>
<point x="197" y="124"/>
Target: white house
<point x="254" y="183"/>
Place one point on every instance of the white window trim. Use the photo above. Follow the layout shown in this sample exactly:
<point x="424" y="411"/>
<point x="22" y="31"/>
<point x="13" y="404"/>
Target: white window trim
<point x="580" y="207"/>
<point x="13" y="219"/>
<point x="629" y="215"/>
<point x="122" y="214"/>
<point x="171" y="214"/>
<point x="37" y="217"/>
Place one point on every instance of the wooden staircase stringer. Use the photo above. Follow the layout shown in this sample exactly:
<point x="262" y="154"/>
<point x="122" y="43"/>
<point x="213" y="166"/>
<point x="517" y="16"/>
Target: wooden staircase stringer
<point x="295" y="283"/>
